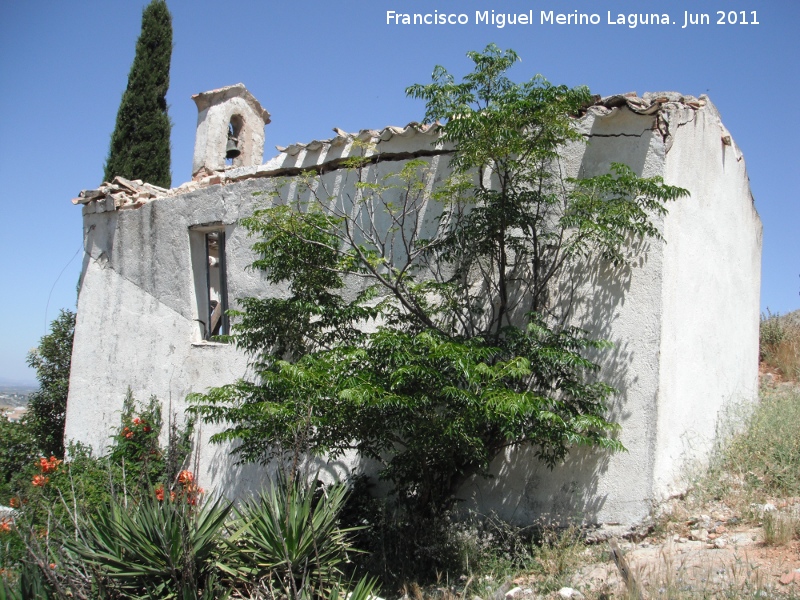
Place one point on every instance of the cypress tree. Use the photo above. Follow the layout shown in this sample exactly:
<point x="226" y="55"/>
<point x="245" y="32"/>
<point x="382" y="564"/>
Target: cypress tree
<point x="140" y="144"/>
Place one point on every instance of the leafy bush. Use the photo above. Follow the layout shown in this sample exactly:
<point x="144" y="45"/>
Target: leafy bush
<point x="47" y="407"/>
<point x="17" y="451"/>
<point x="400" y="545"/>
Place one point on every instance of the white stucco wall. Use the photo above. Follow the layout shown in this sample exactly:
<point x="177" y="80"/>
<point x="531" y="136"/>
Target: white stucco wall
<point x="710" y="297"/>
<point x="683" y="347"/>
<point x="624" y="307"/>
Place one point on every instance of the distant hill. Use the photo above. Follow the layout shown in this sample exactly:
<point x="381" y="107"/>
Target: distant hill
<point x="15" y="393"/>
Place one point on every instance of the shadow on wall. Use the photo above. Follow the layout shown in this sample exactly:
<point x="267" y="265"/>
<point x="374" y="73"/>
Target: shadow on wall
<point x="98" y="242"/>
<point x="606" y="141"/>
<point x="522" y="487"/>
<point x="242" y="481"/>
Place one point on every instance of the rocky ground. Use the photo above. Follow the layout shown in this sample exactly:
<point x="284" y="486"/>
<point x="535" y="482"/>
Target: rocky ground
<point x="694" y="550"/>
<point x="709" y="556"/>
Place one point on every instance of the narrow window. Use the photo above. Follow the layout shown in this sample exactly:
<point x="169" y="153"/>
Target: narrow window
<point x="216" y="285"/>
<point x="210" y="277"/>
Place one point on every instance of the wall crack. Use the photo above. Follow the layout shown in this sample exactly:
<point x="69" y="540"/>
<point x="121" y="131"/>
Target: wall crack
<point x="340" y="163"/>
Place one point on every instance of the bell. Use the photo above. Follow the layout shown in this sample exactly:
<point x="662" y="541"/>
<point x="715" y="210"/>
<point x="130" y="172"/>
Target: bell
<point x="232" y="149"/>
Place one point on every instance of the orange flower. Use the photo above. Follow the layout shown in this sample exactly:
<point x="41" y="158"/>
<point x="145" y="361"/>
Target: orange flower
<point x="137" y="421"/>
<point x="172" y="496"/>
<point x="127" y="433"/>
<point x="14" y="502"/>
<point x="40" y="480"/>
<point x="146" y="429"/>
<point x="185" y="477"/>
<point x="5" y="525"/>
<point x="52" y="565"/>
<point x="49" y="465"/>
<point x="160" y="493"/>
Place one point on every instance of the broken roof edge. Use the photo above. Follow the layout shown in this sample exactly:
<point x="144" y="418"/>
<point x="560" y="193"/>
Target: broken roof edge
<point x="203" y="100"/>
<point x="123" y="194"/>
<point x="648" y="104"/>
<point x="364" y="135"/>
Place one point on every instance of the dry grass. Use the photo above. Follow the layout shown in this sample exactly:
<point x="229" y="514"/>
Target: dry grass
<point x="780" y="343"/>
<point x="780" y="528"/>
<point x="556" y="557"/>
<point x="760" y="461"/>
<point x="672" y="579"/>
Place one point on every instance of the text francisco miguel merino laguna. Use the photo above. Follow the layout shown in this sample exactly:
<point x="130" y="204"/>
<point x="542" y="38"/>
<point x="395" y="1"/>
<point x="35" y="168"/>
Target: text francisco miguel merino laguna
<point x="549" y="17"/>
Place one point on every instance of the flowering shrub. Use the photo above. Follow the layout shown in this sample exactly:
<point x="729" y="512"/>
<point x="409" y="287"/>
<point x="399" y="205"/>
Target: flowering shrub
<point x="49" y="465"/>
<point x="138" y="426"/>
<point x="53" y="497"/>
<point x="17" y="451"/>
<point x="136" y="445"/>
<point x="40" y="480"/>
<point x="46" y="465"/>
<point x="187" y="491"/>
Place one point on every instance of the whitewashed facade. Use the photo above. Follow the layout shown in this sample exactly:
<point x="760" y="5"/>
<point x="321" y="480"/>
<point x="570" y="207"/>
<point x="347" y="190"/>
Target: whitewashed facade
<point x="684" y="319"/>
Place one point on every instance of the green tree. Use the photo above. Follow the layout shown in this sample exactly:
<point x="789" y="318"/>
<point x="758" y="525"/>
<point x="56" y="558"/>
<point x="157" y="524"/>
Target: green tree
<point x="140" y="146"/>
<point x="47" y="406"/>
<point x="469" y="356"/>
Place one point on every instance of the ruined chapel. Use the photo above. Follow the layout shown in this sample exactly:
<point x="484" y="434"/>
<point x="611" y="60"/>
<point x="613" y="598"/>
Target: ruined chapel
<point x="161" y="267"/>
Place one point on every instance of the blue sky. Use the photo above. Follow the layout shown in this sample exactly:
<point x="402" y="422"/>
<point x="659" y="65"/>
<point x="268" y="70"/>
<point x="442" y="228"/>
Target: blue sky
<point x="317" y="65"/>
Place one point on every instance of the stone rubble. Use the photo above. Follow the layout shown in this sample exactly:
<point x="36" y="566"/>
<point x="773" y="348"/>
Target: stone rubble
<point x="120" y="194"/>
<point x="788" y="578"/>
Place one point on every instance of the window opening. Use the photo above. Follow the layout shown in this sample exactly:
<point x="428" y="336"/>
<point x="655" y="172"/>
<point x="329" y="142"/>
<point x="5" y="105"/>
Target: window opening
<point x="216" y="286"/>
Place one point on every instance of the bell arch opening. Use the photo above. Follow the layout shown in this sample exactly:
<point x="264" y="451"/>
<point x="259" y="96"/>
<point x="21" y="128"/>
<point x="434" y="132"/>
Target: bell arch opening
<point x="234" y="146"/>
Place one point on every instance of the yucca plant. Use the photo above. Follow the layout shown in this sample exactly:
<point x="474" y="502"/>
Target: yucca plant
<point x="27" y="584"/>
<point x="289" y="537"/>
<point x="365" y="589"/>
<point x="158" y="549"/>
